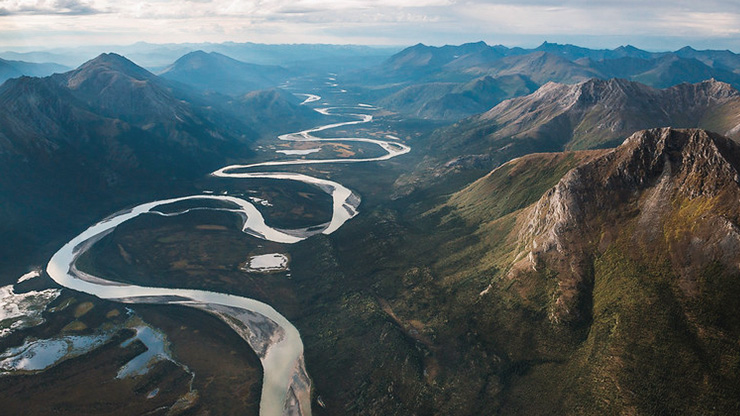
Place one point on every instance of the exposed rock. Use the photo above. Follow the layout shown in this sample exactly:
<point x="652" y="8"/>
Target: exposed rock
<point x="642" y="177"/>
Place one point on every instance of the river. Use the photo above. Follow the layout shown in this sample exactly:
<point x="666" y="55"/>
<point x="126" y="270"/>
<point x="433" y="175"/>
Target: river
<point x="286" y="387"/>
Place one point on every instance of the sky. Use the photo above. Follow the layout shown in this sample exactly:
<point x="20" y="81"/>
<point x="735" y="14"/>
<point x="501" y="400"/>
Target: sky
<point x="648" y="24"/>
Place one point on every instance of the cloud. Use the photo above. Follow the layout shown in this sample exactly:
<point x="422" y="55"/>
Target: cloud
<point x="605" y="18"/>
<point x="375" y="21"/>
<point x="45" y="7"/>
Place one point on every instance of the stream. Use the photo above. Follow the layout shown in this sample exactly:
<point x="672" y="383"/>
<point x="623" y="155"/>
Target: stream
<point x="286" y="387"/>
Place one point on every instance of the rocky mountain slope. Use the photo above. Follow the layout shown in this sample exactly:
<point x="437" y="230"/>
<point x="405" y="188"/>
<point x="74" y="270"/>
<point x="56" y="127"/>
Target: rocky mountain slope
<point x="599" y="113"/>
<point x="590" y="282"/>
<point x="588" y="115"/>
<point x="640" y="246"/>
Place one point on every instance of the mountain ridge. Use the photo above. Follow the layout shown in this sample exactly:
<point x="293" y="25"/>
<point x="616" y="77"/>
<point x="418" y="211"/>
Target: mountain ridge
<point x="557" y="117"/>
<point x="115" y="133"/>
<point x="219" y="73"/>
<point x="607" y="281"/>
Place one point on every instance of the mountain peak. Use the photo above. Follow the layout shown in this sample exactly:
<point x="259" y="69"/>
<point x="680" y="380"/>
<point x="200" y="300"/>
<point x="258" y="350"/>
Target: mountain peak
<point x="200" y="59"/>
<point x="212" y="71"/>
<point x="112" y="60"/>
<point x="473" y="46"/>
<point x="106" y="63"/>
<point x="703" y="161"/>
<point x="121" y="89"/>
<point x="719" y="87"/>
<point x="418" y="46"/>
<point x="687" y="49"/>
<point x="650" y="169"/>
<point x="200" y="54"/>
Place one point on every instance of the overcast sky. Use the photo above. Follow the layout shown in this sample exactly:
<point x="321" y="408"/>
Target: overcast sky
<point x="649" y="24"/>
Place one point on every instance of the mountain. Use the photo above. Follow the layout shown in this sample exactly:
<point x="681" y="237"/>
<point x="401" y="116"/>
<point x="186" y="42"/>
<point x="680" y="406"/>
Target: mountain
<point x="672" y="70"/>
<point x="726" y="60"/>
<point x="15" y="69"/>
<point x="588" y="282"/>
<point x="453" y="101"/>
<point x="551" y="62"/>
<point x="540" y="67"/>
<point x="615" y="289"/>
<point x="427" y="59"/>
<point x="219" y="73"/>
<point x="308" y="57"/>
<point x="573" y="53"/>
<point x="556" y="117"/>
<point x="82" y="143"/>
<point x="106" y="99"/>
<point x="464" y="62"/>
<point x="272" y="111"/>
<point x="594" y="113"/>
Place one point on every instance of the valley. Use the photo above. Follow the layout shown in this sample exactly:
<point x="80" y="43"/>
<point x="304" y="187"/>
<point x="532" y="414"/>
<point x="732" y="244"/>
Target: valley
<point x="521" y="245"/>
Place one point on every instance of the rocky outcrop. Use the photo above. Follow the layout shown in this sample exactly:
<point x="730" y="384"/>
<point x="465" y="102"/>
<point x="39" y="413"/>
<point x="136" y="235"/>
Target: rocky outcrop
<point x="651" y="176"/>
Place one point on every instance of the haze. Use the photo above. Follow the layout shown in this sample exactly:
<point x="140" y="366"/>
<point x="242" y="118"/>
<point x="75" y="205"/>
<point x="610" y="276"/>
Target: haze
<point x="657" y="25"/>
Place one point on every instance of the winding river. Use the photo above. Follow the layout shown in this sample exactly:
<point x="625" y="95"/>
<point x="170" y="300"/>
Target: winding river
<point x="286" y="387"/>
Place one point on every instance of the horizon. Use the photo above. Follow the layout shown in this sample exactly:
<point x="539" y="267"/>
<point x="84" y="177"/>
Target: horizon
<point x="156" y="56"/>
<point x="658" y="26"/>
<point x="400" y="46"/>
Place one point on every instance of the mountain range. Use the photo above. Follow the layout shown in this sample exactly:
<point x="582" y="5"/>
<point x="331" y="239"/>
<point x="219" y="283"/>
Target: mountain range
<point x="560" y="63"/>
<point x="567" y="242"/>
<point x="15" y="69"/>
<point x="588" y="115"/>
<point x="424" y="81"/>
<point x="312" y="57"/>
<point x="114" y="132"/>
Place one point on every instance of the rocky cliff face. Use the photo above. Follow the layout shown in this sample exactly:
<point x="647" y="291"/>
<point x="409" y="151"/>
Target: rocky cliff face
<point x="610" y="276"/>
<point x="650" y="179"/>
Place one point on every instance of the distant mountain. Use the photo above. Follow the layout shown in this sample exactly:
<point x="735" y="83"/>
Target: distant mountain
<point x="725" y="60"/>
<point x="127" y="111"/>
<point x="551" y="62"/>
<point x="588" y="115"/>
<point x="272" y="111"/>
<point x="426" y="59"/>
<point x="573" y="53"/>
<point x="453" y="101"/>
<point x="309" y="57"/>
<point x="219" y="73"/>
<point x="15" y="69"/>
<point x="540" y="67"/>
<point x="80" y="144"/>
<point x="672" y="70"/>
<point x="595" y="113"/>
